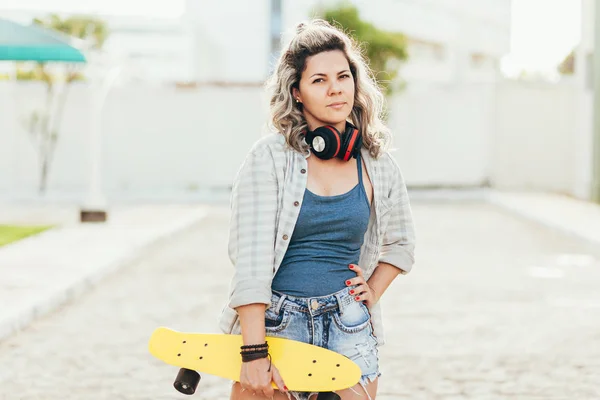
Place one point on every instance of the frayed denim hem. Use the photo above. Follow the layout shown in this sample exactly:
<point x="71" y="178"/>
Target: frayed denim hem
<point x="364" y="381"/>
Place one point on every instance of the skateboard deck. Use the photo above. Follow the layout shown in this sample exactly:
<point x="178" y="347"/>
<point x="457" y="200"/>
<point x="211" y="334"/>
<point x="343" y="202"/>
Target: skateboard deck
<point x="303" y="367"/>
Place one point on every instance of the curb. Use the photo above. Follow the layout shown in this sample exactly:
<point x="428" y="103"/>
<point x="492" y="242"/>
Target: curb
<point x="497" y="200"/>
<point x="50" y="302"/>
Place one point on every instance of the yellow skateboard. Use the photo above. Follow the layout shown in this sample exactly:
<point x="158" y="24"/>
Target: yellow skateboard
<point x="303" y="367"/>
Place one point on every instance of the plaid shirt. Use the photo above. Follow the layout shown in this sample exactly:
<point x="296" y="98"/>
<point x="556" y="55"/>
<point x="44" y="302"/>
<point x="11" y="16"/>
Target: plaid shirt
<point x="265" y="202"/>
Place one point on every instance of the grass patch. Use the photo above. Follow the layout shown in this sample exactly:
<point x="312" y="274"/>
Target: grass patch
<point x="12" y="233"/>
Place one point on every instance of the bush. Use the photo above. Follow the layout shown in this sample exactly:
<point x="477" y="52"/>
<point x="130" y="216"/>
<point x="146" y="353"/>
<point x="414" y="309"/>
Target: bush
<point x="384" y="50"/>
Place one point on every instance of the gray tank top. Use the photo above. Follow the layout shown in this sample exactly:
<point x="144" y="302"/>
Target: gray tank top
<point x="328" y="236"/>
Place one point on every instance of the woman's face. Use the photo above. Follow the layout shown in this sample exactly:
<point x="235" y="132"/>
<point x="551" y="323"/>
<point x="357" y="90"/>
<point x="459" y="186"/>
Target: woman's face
<point x="326" y="90"/>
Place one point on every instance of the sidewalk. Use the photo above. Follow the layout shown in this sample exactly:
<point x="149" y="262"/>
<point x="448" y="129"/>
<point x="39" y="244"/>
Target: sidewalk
<point x="578" y="218"/>
<point x="43" y="272"/>
<point x="574" y="217"/>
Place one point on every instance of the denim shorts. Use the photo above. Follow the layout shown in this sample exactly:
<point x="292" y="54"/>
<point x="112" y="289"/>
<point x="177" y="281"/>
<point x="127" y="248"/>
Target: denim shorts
<point x="336" y="322"/>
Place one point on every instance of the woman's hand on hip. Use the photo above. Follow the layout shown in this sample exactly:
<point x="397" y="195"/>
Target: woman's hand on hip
<point x="362" y="292"/>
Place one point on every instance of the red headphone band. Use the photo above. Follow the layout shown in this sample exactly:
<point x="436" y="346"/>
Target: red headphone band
<point x="337" y="139"/>
<point x="351" y="145"/>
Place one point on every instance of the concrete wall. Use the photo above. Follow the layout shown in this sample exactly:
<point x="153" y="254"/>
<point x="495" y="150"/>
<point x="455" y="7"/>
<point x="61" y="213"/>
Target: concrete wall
<point x="442" y="133"/>
<point x="161" y="142"/>
<point x="534" y="146"/>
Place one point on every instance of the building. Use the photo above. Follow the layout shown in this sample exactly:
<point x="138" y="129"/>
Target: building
<point x="237" y="41"/>
<point x="150" y="49"/>
<point x="155" y="50"/>
<point x="449" y="41"/>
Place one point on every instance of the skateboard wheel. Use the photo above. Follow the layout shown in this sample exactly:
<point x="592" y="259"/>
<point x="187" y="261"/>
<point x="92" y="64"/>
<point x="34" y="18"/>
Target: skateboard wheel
<point x="186" y="381"/>
<point x="328" y="396"/>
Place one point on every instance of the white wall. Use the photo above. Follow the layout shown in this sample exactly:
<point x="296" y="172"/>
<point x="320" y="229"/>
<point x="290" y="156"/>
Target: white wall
<point x="442" y="133"/>
<point x="156" y="140"/>
<point x="585" y="105"/>
<point x="231" y="39"/>
<point x="153" y="50"/>
<point x="161" y="142"/>
<point x="534" y="146"/>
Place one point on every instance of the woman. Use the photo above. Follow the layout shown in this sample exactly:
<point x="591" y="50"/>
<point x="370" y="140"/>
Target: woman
<point x="321" y="222"/>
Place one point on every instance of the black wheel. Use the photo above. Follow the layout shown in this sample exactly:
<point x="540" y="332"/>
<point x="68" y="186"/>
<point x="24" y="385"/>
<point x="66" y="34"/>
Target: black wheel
<point x="328" y="396"/>
<point x="187" y="381"/>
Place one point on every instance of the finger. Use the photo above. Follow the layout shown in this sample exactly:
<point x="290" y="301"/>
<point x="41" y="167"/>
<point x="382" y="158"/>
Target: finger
<point x="359" y="290"/>
<point x="246" y="387"/>
<point x="267" y="388"/>
<point x="256" y="386"/>
<point x="268" y="391"/>
<point x="359" y="280"/>
<point x="356" y="269"/>
<point x="364" y="296"/>
<point x="279" y="381"/>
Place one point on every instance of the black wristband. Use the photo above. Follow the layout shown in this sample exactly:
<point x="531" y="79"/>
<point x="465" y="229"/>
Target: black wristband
<point x="254" y="346"/>
<point x="247" y="357"/>
<point x="257" y="351"/>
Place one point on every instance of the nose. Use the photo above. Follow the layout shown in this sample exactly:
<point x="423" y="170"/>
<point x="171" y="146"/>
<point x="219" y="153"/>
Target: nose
<point x="335" y="88"/>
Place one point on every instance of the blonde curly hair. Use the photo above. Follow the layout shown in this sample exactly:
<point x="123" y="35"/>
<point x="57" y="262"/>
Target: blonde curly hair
<point x="286" y="116"/>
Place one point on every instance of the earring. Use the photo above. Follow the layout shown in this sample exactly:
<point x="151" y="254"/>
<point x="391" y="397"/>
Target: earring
<point x="297" y="101"/>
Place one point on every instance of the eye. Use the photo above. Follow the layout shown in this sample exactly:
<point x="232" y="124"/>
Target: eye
<point x="345" y="76"/>
<point x="318" y="80"/>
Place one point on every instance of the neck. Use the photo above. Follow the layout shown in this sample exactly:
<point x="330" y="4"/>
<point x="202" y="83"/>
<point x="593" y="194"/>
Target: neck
<point x="340" y="126"/>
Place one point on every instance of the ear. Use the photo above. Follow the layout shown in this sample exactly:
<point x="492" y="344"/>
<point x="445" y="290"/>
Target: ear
<point x="296" y="94"/>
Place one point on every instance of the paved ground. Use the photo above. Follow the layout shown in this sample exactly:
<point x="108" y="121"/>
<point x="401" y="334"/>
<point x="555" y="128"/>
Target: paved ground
<point x="496" y="308"/>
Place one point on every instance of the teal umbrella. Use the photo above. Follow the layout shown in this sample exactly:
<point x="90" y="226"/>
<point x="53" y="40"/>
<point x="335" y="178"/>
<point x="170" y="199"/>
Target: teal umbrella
<point x="34" y="43"/>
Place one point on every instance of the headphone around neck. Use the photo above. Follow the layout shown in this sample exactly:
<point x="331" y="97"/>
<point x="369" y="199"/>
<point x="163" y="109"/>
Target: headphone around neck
<point x="327" y="142"/>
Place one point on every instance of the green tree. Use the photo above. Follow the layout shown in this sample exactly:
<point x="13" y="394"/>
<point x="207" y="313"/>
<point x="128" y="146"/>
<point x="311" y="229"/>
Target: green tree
<point x="91" y="29"/>
<point x="385" y="50"/>
<point x="567" y="66"/>
<point x="43" y="125"/>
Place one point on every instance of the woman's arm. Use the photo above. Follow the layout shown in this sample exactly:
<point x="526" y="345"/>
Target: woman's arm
<point x="398" y="244"/>
<point x="397" y="248"/>
<point x="381" y="279"/>
<point x="252" y="320"/>
<point x="371" y="291"/>
<point x="252" y="251"/>
<point x="252" y="229"/>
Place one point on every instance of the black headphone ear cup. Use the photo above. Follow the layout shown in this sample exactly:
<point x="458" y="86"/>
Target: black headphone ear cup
<point x="359" y="144"/>
<point x="325" y="142"/>
<point x="352" y="140"/>
<point x="346" y="139"/>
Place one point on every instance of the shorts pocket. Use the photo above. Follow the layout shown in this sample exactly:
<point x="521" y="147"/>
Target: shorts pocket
<point x="354" y="318"/>
<point x="276" y="322"/>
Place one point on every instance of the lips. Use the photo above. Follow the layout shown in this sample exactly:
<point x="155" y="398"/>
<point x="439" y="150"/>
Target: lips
<point x="336" y="105"/>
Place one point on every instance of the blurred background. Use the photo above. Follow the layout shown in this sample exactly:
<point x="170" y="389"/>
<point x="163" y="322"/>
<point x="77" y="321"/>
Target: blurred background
<point x="123" y="124"/>
<point x="492" y="93"/>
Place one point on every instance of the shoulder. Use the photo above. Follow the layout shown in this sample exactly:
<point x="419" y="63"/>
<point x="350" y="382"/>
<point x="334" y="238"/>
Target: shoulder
<point x="272" y="143"/>
<point x="273" y="149"/>
<point x="386" y="162"/>
<point x="269" y="153"/>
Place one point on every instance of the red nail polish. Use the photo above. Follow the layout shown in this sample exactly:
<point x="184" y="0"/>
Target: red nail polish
<point x="352" y="292"/>
<point x="357" y="298"/>
<point x="348" y="283"/>
<point x="285" y="388"/>
<point x="351" y="266"/>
